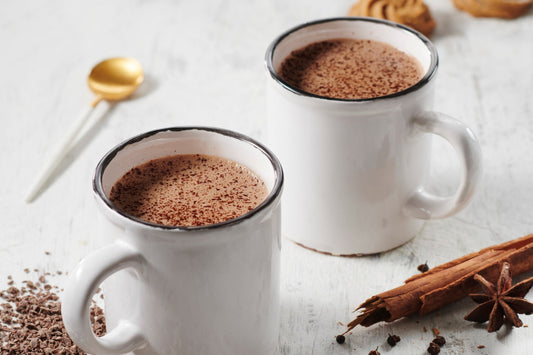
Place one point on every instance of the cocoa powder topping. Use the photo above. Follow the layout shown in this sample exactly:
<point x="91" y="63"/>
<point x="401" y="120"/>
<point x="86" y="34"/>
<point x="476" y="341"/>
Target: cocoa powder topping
<point x="350" y="69"/>
<point x="188" y="190"/>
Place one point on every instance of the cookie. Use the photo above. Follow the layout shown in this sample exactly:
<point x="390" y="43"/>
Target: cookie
<point x="507" y="9"/>
<point x="412" y="13"/>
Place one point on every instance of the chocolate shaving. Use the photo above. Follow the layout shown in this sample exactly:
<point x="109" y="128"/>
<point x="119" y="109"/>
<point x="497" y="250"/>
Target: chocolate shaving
<point x="31" y="322"/>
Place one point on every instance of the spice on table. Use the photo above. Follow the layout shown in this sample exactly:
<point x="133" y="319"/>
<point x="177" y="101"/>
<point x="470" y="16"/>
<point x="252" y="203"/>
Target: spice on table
<point x="423" y="267"/>
<point x="444" y="284"/>
<point x="439" y="340"/>
<point x="393" y="339"/>
<point x="374" y="352"/>
<point x="340" y="339"/>
<point x="433" y="348"/>
<point x="501" y="300"/>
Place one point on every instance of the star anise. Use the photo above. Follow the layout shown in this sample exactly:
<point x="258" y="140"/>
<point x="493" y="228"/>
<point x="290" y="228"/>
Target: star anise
<point x="501" y="301"/>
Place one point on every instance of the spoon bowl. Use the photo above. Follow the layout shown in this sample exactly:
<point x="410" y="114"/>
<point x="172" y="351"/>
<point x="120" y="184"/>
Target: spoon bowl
<point x="115" y="79"/>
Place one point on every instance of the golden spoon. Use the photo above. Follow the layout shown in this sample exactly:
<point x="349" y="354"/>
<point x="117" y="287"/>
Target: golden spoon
<point x="112" y="79"/>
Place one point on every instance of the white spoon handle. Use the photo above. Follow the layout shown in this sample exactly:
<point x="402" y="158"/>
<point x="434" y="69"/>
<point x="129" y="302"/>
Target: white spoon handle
<point x="61" y="150"/>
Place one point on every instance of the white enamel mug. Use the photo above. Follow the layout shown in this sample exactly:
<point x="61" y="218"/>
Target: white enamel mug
<point x="182" y="290"/>
<point x="356" y="169"/>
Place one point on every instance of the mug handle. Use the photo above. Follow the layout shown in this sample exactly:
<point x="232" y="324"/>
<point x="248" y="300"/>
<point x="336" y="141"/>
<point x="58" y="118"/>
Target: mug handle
<point x="82" y="285"/>
<point x="424" y="205"/>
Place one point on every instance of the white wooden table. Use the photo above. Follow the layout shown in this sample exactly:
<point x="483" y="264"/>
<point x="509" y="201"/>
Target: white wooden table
<point x="204" y="66"/>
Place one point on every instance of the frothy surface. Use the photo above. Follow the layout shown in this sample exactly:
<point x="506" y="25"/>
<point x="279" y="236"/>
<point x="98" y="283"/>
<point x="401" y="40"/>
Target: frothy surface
<point x="350" y="69"/>
<point x="188" y="190"/>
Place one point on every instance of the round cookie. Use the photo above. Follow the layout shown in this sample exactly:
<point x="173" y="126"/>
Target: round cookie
<point x="412" y="13"/>
<point x="507" y="9"/>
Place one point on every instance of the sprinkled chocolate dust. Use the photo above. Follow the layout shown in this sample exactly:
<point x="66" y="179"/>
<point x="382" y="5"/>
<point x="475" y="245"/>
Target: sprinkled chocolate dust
<point x="350" y="69"/>
<point x="188" y="190"/>
<point x="31" y="322"/>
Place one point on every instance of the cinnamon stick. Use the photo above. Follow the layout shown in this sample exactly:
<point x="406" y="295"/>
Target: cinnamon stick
<point x="444" y="284"/>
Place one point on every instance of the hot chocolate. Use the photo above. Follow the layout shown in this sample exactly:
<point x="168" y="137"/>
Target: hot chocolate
<point x="188" y="190"/>
<point x="350" y="69"/>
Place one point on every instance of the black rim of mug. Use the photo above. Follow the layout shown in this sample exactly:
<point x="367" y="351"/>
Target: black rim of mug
<point x="430" y="73"/>
<point x="271" y="198"/>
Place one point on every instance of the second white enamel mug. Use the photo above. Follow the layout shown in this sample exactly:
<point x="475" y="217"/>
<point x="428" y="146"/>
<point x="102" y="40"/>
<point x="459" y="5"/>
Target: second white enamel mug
<point x="356" y="169"/>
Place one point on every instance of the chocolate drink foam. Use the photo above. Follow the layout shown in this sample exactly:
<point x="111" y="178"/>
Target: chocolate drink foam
<point x="350" y="69"/>
<point x="188" y="190"/>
